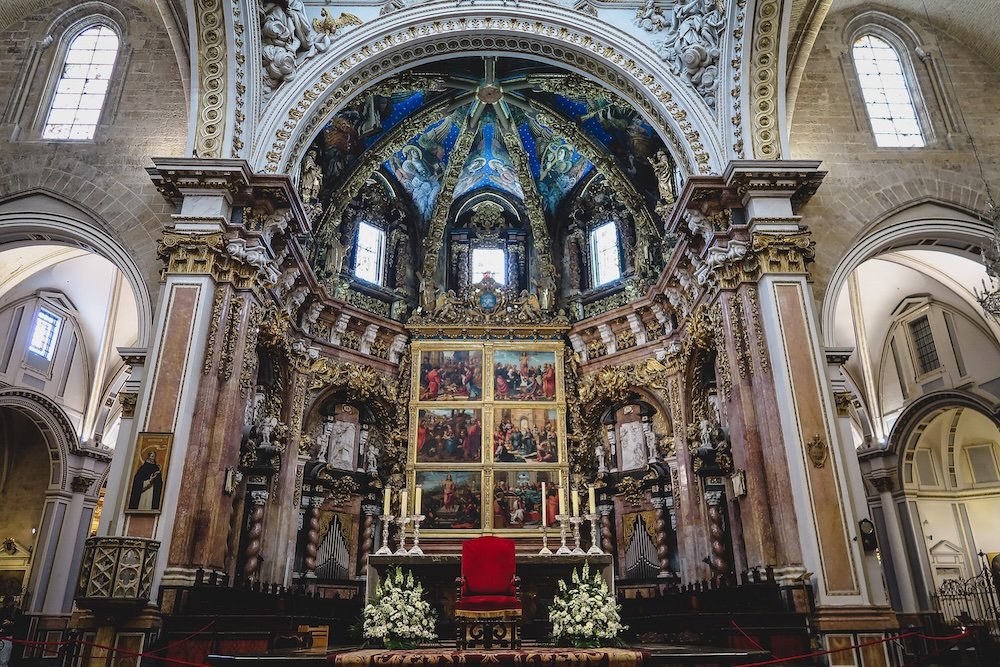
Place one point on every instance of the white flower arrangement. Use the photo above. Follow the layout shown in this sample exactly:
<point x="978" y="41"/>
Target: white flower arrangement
<point x="586" y="614"/>
<point x="399" y="615"/>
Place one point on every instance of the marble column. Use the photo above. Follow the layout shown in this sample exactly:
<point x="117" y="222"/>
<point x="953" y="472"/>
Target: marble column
<point x="897" y="547"/>
<point x="255" y="531"/>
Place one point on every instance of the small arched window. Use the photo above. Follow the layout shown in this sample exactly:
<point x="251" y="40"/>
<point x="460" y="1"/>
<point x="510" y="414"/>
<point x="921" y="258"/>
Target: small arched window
<point x="888" y="98"/>
<point x="605" y="253"/>
<point x="79" y="97"/>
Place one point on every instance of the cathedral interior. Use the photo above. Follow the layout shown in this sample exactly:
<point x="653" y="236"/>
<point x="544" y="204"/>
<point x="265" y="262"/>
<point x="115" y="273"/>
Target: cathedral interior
<point x="703" y="292"/>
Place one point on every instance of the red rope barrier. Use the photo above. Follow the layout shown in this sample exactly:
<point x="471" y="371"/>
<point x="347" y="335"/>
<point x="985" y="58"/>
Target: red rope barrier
<point x="112" y="649"/>
<point x="816" y="654"/>
<point x="749" y="638"/>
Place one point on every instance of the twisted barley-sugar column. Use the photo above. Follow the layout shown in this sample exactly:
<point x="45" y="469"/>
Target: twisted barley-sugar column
<point x="367" y="535"/>
<point x="252" y="562"/>
<point x="717" y="532"/>
<point x="662" y="539"/>
<point x="312" y="536"/>
<point x="607" y="538"/>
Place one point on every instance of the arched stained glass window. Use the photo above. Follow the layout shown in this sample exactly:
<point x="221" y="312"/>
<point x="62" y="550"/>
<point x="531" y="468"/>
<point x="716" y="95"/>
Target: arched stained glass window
<point x="887" y="95"/>
<point x="83" y="84"/>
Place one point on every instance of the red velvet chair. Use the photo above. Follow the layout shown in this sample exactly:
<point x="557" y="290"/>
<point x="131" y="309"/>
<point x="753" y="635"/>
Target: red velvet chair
<point x="488" y="604"/>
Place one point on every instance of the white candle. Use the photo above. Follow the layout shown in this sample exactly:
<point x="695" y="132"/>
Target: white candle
<point x="592" y="499"/>
<point x="402" y="503"/>
<point x="544" y="503"/>
<point x="386" y="499"/>
<point x="576" y="502"/>
<point x="417" y="495"/>
<point x="562" y="501"/>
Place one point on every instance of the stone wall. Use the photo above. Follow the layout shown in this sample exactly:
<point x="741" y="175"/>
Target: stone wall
<point x="105" y="177"/>
<point x="866" y="183"/>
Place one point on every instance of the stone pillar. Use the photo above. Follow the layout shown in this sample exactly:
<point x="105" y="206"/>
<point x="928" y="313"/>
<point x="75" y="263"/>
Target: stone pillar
<point x="606" y="510"/>
<point x="885" y="485"/>
<point x="801" y="445"/>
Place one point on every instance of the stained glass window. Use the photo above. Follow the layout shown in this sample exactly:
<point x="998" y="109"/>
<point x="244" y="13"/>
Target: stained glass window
<point x="79" y="98"/>
<point x="887" y="96"/>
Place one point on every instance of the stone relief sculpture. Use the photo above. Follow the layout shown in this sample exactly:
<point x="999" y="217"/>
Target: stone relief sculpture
<point x="289" y="38"/>
<point x="340" y="448"/>
<point x="693" y="44"/>
<point x="649" y="17"/>
<point x="633" y="441"/>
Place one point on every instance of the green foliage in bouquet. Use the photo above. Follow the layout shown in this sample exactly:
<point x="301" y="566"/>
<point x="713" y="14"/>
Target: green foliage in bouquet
<point x="586" y="614"/>
<point x="399" y="616"/>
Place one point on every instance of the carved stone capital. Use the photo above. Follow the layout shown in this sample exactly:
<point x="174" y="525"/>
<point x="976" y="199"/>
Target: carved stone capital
<point x="128" y="399"/>
<point x="258" y="497"/>
<point x="843" y="399"/>
<point x="783" y="253"/>
<point x="81" y="483"/>
<point x="713" y="498"/>
<point x="246" y="266"/>
<point x="883" y="484"/>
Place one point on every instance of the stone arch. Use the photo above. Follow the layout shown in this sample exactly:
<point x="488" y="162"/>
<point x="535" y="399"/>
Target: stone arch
<point x="57" y="430"/>
<point x="905" y="432"/>
<point x="415" y="35"/>
<point x="899" y="228"/>
<point x="40" y="215"/>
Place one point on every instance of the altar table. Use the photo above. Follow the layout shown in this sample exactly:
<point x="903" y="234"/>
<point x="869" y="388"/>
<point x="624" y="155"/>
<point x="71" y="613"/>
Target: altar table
<point x="548" y="657"/>
<point x="539" y="575"/>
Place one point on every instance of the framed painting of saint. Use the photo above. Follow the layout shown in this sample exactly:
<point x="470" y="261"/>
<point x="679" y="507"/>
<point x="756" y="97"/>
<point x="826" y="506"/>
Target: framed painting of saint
<point x="450" y="499"/>
<point x="449" y="435"/>
<point x="517" y="500"/>
<point x="451" y="375"/>
<point x="524" y="375"/>
<point x="525" y="435"/>
<point x="152" y="459"/>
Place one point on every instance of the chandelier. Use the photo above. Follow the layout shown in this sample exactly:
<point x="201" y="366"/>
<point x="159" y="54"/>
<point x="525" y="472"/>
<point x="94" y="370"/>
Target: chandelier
<point x="989" y="296"/>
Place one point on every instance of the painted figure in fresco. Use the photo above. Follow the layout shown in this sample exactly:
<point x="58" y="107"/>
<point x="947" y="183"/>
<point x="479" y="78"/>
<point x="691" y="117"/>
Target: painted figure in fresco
<point x="147" y="485"/>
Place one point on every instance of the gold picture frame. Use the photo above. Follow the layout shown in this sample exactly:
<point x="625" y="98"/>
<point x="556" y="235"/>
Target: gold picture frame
<point x="148" y="476"/>
<point x="541" y="408"/>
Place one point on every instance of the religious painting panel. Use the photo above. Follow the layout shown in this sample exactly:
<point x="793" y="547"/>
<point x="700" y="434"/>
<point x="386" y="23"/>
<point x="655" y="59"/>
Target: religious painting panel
<point x="449" y="435"/>
<point x="152" y="459"/>
<point x="525" y="435"/>
<point x="451" y="375"/>
<point x="450" y="499"/>
<point x="524" y="375"/>
<point x="517" y="500"/>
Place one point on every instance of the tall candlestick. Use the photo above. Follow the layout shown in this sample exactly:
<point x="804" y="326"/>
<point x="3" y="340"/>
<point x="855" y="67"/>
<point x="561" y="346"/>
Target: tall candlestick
<point x="593" y="500"/>
<point x="544" y="503"/>
<point x="562" y="500"/>
<point x="417" y="495"/>
<point x="386" y="499"/>
<point x="402" y="504"/>
<point x="576" y="502"/>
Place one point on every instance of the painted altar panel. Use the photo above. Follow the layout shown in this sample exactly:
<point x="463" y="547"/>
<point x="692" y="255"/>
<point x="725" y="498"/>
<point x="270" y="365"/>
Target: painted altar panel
<point x="481" y="442"/>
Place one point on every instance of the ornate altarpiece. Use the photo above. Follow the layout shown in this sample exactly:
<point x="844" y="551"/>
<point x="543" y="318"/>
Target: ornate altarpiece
<point x="487" y="413"/>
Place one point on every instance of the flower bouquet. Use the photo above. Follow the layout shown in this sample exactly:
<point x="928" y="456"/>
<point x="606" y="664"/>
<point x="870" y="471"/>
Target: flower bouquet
<point x="398" y="616"/>
<point x="586" y="615"/>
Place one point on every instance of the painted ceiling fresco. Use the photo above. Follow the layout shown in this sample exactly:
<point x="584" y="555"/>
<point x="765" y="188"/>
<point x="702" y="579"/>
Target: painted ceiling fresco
<point x="489" y="165"/>
<point x="489" y="97"/>
<point x="340" y="143"/>
<point x="419" y="166"/>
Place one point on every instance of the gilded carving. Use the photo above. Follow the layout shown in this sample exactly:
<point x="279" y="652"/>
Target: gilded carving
<point x="226" y="261"/>
<point x="532" y="204"/>
<point x="212" y="78"/>
<point x="434" y="239"/>
<point x="843" y="399"/>
<point x="818" y="451"/>
<point x="128" y="400"/>
<point x="239" y="112"/>
<point x="625" y="339"/>
<point x="785" y="253"/>
<point x="615" y="381"/>
<point x="248" y="369"/>
<point x="736" y="90"/>
<point x="758" y="331"/>
<point x="232" y="337"/>
<point x="631" y="490"/>
<point x="487" y="304"/>
<point x="741" y="337"/>
<point x="213" y="330"/>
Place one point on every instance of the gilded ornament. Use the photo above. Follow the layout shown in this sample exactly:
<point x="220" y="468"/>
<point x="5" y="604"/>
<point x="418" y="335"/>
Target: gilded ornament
<point x="783" y="253"/>
<point x="631" y="490"/>
<point x="818" y="451"/>
<point x="758" y="331"/>
<point x="213" y="330"/>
